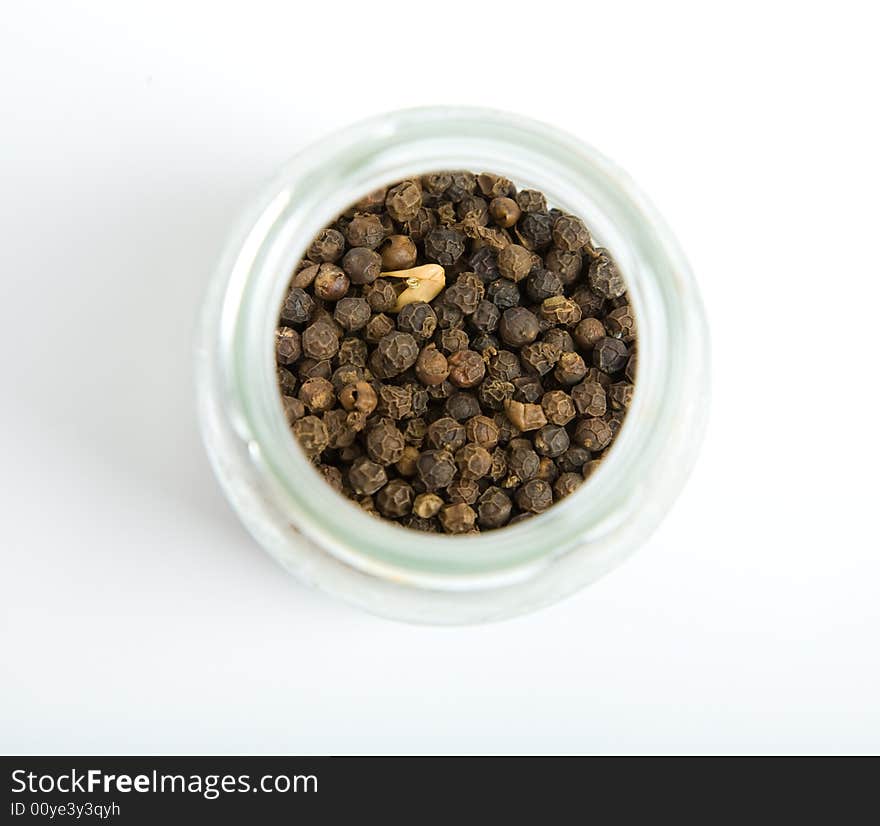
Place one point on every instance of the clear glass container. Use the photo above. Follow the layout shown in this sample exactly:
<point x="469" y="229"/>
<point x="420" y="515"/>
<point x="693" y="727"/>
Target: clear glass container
<point x="331" y="543"/>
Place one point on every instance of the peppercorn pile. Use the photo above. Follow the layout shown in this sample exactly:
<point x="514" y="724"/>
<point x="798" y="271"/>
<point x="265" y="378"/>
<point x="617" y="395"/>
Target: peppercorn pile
<point x="455" y="356"/>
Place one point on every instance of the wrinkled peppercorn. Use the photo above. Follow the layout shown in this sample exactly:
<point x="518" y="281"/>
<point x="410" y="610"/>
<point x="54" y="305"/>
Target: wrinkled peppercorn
<point x="485" y="317"/>
<point x="312" y="434"/>
<point x="377" y="328"/>
<point x="567" y="265"/>
<point x="418" y="319"/>
<point x="494" y="508"/>
<point x="395" y="499"/>
<point x="362" y="265"/>
<point x="542" y="284"/>
<point x="610" y="355"/>
<point x="403" y="201"/>
<point x="288" y="348"/>
<point x="466" y="368"/>
<point x="427" y="505"/>
<point x="589" y="398"/>
<point x="503" y="365"/>
<point x="493" y="393"/>
<point x="473" y="461"/>
<point x="458" y="518"/>
<point x="436" y="469"/>
<point x="381" y="295"/>
<point x="530" y="200"/>
<point x="298" y="307"/>
<point x="535" y="230"/>
<point x="466" y="293"/>
<point x="551" y="440"/>
<point x="319" y="341"/>
<point x="621" y="323"/>
<point x="394" y="402"/>
<point x="444" y="246"/>
<point x="570" y="368"/>
<point x="558" y="407"/>
<point x="593" y="434"/>
<point x="365" y="231"/>
<point x="447" y="433"/>
<point x="515" y="262"/>
<point x="463" y="490"/>
<point x="503" y="294"/>
<point x="482" y="431"/>
<point x="398" y="351"/>
<point x="431" y="366"/>
<point x="605" y="279"/>
<point x="293" y="408"/>
<point x="317" y="395"/>
<point x="540" y="357"/>
<point x="522" y="461"/>
<point x="450" y="341"/>
<point x="366" y="476"/>
<point x="566" y="484"/>
<point x="570" y="234"/>
<point x="352" y="313"/>
<point x="535" y="496"/>
<point x="461" y="406"/>
<point x="528" y="389"/>
<point x="327" y="246"/>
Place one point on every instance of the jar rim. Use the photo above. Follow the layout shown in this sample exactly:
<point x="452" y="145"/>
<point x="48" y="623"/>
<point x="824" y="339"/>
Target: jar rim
<point x="645" y="468"/>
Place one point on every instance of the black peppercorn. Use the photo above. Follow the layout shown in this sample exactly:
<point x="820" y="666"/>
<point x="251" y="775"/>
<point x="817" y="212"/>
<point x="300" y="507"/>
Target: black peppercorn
<point x="436" y="469"/>
<point x="298" y="307"/>
<point x="605" y="279"/>
<point x="366" y="476"/>
<point x="535" y="496"/>
<point x="397" y="351"/>
<point x="398" y="252"/>
<point x="570" y="369"/>
<point x="485" y="317"/>
<point x="466" y="368"/>
<point x="352" y="313"/>
<point x="327" y="247"/>
<point x="559" y="408"/>
<point x="365" y="231"/>
<point x="494" y="393"/>
<point x="431" y="366"/>
<point x="503" y="294"/>
<point x="458" y="518"/>
<point x="530" y="200"/>
<point x="362" y="265"/>
<point x="551" y="440"/>
<point x="403" y="201"/>
<point x="534" y="229"/>
<point x="418" y="319"/>
<point x="566" y="484"/>
<point x="515" y="262"/>
<point x="494" y="508"/>
<point x="444" y="246"/>
<point x="446" y="433"/>
<point x="518" y="326"/>
<point x="288" y="348"/>
<point x="311" y="433"/>
<point x="570" y="234"/>
<point x="461" y="406"/>
<point x="610" y="355"/>
<point x="319" y="341"/>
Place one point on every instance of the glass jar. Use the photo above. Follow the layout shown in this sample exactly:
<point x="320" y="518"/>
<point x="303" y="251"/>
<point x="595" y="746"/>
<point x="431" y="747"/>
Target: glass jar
<point x="331" y="543"/>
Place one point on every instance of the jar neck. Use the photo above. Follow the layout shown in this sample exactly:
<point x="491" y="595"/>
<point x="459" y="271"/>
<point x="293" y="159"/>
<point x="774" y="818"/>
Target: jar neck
<point x="650" y="458"/>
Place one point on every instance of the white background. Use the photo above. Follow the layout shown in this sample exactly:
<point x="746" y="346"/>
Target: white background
<point x="138" y="617"/>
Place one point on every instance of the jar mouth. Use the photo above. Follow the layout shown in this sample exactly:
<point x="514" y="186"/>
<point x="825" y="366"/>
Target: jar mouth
<point x="647" y="464"/>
